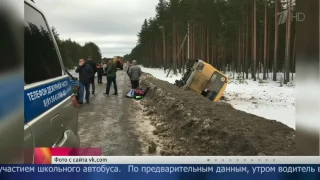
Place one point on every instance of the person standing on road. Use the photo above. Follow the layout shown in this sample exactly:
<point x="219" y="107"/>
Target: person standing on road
<point x="134" y="74"/>
<point x="128" y="67"/>
<point x="105" y="65"/>
<point x="85" y="75"/>
<point x="99" y="72"/>
<point x="111" y="70"/>
<point x="94" y="68"/>
<point x="125" y="66"/>
<point x="127" y="71"/>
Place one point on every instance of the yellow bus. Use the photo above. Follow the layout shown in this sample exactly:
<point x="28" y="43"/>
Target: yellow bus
<point x="204" y="79"/>
<point x="119" y="62"/>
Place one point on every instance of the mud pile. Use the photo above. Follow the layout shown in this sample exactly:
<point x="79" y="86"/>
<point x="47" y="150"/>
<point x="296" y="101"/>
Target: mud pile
<point x="193" y="125"/>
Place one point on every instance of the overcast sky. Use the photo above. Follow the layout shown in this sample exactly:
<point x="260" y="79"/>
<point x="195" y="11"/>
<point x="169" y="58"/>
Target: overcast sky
<point x="112" y="24"/>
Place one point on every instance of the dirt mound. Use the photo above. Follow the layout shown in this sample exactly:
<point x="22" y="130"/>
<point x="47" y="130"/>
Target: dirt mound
<point x="198" y="126"/>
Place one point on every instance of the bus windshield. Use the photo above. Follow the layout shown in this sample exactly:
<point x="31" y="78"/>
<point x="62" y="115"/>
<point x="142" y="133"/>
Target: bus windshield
<point x="214" y="85"/>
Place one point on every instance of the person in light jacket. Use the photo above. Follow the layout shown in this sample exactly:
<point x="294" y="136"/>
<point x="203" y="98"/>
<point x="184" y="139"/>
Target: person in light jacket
<point x="134" y="74"/>
<point x="126" y="66"/>
<point x="105" y="64"/>
<point x="129" y="65"/>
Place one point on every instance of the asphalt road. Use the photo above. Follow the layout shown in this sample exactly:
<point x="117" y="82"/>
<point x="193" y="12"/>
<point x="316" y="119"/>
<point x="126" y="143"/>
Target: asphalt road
<point x="107" y="121"/>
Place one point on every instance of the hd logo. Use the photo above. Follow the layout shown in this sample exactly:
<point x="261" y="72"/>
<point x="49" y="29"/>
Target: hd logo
<point x="283" y="16"/>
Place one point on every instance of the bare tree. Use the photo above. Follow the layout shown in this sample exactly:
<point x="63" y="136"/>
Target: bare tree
<point x="276" y="37"/>
<point x="254" y="40"/>
<point x="265" y="39"/>
<point x="288" y="38"/>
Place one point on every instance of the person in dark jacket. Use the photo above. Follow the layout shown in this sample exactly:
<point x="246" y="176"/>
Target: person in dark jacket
<point x="134" y="74"/>
<point x="94" y="68"/>
<point x="111" y="70"/>
<point x="100" y="73"/>
<point x="85" y="75"/>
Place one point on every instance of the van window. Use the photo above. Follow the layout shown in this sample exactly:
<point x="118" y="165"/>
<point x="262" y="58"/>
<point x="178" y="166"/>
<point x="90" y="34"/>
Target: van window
<point x="41" y="58"/>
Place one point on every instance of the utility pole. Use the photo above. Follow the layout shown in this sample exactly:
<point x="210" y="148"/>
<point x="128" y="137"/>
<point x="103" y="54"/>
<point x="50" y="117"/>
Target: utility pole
<point x="188" y="48"/>
<point x="188" y="41"/>
<point x="178" y="52"/>
<point x="188" y="53"/>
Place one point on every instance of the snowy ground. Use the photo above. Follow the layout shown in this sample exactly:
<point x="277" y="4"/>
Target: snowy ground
<point x="262" y="98"/>
<point x="161" y="74"/>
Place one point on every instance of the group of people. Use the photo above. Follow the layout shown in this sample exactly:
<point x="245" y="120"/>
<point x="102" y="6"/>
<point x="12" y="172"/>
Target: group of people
<point x="88" y="69"/>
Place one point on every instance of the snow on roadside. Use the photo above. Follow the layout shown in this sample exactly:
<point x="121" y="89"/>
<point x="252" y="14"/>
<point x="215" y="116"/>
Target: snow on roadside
<point x="161" y="74"/>
<point x="267" y="99"/>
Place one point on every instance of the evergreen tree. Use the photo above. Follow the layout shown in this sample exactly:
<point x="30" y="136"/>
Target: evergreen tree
<point x="225" y="33"/>
<point x="72" y="51"/>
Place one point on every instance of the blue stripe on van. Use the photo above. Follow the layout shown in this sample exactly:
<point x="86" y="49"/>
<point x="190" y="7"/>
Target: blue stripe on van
<point x="40" y="99"/>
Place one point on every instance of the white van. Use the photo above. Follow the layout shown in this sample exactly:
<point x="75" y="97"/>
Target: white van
<point x="50" y="115"/>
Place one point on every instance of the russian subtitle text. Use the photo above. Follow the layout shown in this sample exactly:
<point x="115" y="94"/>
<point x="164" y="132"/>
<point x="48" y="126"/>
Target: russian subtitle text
<point x="55" y="169"/>
<point x="159" y="169"/>
<point x="103" y="168"/>
<point x="296" y="169"/>
<point x="16" y="169"/>
<point x="263" y="169"/>
<point x="169" y="169"/>
<point x="222" y="169"/>
<point x="85" y="169"/>
<point x="230" y="169"/>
